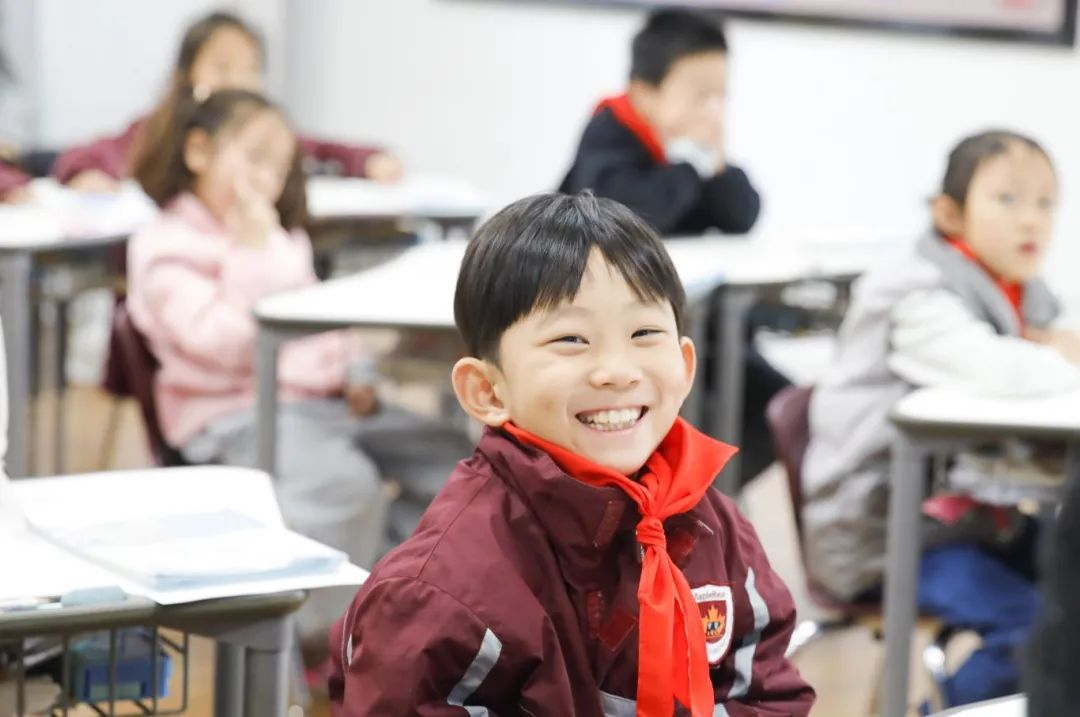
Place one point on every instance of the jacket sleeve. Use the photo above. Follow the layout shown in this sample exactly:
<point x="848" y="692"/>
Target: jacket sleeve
<point x="766" y="683"/>
<point x="731" y="202"/>
<point x="198" y="312"/>
<point x="348" y="160"/>
<point x="661" y="194"/>
<point x="111" y="155"/>
<point x="407" y="647"/>
<point x="937" y="341"/>
<point x="666" y="195"/>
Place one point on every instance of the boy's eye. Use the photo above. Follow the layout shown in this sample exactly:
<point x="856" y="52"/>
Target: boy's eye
<point x="1046" y="203"/>
<point x="569" y="339"/>
<point x="1007" y="198"/>
<point x="640" y="333"/>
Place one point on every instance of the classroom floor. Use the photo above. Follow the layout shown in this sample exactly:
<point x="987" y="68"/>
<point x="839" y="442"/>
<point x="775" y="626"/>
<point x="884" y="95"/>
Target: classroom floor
<point x="842" y="666"/>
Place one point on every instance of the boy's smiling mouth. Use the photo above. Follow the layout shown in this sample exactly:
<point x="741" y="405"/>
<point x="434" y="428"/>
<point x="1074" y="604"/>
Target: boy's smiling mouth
<point x="609" y="420"/>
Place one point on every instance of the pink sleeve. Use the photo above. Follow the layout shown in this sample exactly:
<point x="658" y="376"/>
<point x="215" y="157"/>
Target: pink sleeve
<point x="318" y="363"/>
<point x="350" y="160"/>
<point x="315" y="364"/>
<point x="198" y="313"/>
<point x="186" y="298"/>
<point x="11" y="178"/>
<point x="111" y="155"/>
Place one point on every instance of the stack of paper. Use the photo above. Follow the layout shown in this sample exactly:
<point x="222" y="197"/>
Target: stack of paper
<point x="197" y="549"/>
<point x="173" y="535"/>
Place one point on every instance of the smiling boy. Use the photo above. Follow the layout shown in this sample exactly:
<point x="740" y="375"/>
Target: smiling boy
<point x="579" y="563"/>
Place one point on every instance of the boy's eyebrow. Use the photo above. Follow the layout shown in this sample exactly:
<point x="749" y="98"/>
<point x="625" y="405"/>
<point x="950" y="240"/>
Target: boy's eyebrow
<point x="567" y="310"/>
<point x="564" y="310"/>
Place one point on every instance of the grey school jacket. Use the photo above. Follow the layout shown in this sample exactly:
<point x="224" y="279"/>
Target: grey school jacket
<point x="846" y="468"/>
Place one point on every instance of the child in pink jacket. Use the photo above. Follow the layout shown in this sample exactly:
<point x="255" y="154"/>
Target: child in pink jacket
<point x="227" y="176"/>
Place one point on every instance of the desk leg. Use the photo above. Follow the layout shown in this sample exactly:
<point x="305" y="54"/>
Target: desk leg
<point x="729" y="372"/>
<point x="252" y="668"/>
<point x="266" y="683"/>
<point x="60" y="386"/>
<point x="901" y="571"/>
<point x="15" y="310"/>
<point x="229" y="676"/>
<point x="266" y="398"/>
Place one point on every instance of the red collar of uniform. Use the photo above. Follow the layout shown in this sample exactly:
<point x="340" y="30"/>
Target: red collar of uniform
<point x="672" y="663"/>
<point x="628" y="116"/>
<point x="1012" y="290"/>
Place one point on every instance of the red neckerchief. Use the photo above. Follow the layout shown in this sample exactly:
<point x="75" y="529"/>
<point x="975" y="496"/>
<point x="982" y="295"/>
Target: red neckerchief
<point x="672" y="663"/>
<point x="631" y="119"/>
<point x="1013" y="291"/>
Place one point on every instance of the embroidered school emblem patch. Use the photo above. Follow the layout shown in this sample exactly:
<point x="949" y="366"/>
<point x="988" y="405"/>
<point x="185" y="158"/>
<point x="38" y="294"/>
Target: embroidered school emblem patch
<point x="717" y="615"/>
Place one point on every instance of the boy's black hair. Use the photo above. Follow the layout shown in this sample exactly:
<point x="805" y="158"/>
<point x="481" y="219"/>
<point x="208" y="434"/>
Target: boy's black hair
<point x="669" y="36"/>
<point x="532" y="255"/>
<point x="965" y="158"/>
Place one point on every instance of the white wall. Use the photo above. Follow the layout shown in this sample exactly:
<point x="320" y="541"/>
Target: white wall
<point x="836" y="126"/>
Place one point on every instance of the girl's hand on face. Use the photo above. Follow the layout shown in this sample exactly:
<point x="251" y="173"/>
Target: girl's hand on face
<point x="383" y="167"/>
<point x="252" y="217"/>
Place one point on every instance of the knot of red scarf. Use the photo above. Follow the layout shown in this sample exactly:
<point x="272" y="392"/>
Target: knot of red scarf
<point x="672" y="662"/>
<point x="650" y="533"/>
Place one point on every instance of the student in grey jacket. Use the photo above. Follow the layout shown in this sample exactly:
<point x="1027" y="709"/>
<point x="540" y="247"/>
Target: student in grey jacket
<point x="965" y="309"/>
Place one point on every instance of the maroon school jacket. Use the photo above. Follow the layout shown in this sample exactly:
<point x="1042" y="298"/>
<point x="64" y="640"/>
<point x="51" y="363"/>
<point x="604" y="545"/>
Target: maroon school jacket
<point x="112" y="155"/>
<point x="517" y="595"/>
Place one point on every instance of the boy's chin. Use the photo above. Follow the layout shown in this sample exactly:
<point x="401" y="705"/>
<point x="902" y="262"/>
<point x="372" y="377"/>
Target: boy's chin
<point x="628" y="465"/>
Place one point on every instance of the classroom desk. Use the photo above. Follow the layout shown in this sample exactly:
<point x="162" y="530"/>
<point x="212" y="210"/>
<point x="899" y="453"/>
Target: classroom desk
<point x="722" y="277"/>
<point x="248" y="618"/>
<point x="253" y="634"/>
<point x="433" y="205"/>
<point x="931" y="421"/>
<point x="57" y="236"/>
<point x="418" y="196"/>
<point x="1015" y="706"/>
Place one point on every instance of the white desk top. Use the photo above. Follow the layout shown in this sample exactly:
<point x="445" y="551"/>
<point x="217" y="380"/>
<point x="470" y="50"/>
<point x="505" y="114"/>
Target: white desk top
<point x="56" y="217"/>
<point x="950" y="408"/>
<point x="416" y="289"/>
<point x="414" y="196"/>
<point x="1015" y="706"/>
<point x="103" y="498"/>
<point x="59" y="217"/>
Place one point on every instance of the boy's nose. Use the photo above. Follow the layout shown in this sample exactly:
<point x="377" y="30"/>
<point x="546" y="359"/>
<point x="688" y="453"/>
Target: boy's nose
<point x="614" y="373"/>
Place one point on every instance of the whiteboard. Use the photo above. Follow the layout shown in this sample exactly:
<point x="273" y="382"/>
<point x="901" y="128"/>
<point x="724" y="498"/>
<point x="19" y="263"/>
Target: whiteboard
<point x="1046" y="21"/>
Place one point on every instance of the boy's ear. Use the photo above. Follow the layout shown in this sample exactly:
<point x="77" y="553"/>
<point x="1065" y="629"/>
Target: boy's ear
<point x="198" y="149"/>
<point x="474" y="384"/>
<point x="689" y="355"/>
<point x="948" y="215"/>
<point x="641" y="92"/>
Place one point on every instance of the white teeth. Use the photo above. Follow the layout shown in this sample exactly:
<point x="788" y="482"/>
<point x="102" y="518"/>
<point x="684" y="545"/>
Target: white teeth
<point x="613" y="419"/>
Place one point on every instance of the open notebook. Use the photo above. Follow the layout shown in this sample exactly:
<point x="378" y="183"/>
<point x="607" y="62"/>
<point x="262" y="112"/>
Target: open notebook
<point x="189" y="550"/>
<point x="174" y="535"/>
